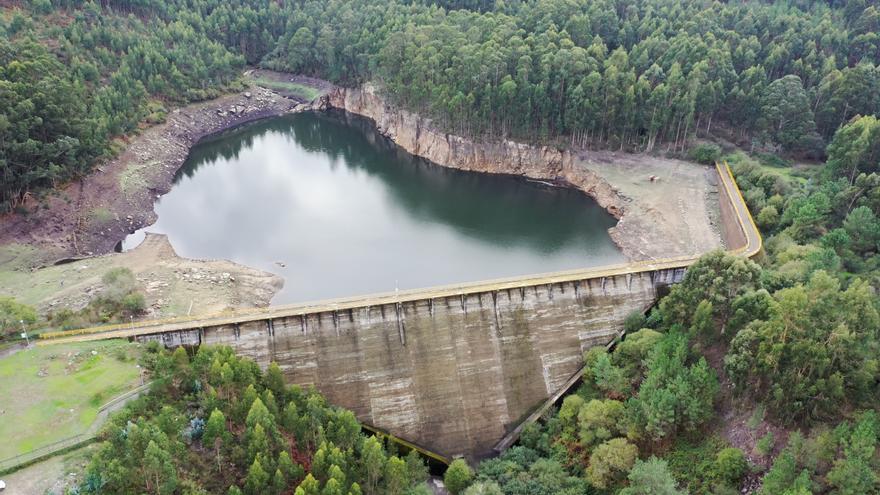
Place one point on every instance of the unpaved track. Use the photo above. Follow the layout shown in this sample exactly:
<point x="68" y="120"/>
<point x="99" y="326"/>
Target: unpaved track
<point x="53" y="476"/>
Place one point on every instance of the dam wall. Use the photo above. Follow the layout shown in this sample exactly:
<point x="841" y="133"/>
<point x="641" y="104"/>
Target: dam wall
<point x="453" y="369"/>
<point x="453" y="373"/>
<point x="734" y="231"/>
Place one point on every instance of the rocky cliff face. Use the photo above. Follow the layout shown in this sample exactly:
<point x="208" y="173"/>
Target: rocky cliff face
<point x="416" y="135"/>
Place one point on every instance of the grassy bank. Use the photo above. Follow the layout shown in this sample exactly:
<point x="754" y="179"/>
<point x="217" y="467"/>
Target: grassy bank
<point x="303" y="91"/>
<point x="51" y="393"/>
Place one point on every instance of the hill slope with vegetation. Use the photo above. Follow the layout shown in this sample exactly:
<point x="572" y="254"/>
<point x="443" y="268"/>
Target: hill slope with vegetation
<point x="215" y="423"/>
<point x="640" y="76"/>
<point x="756" y="377"/>
<point x="746" y="378"/>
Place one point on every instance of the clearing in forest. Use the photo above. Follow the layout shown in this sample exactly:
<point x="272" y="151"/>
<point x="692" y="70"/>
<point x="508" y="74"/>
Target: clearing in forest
<point x="52" y="393"/>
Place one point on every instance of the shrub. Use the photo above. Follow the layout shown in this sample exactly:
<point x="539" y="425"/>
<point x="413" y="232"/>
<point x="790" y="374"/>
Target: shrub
<point x="133" y="303"/>
<point x="611" y="461"/>
<point x="13" y="314"/>
<point x="771" y="160"/>
<point x="731" y="465"/>
<point x="768" y="217"/>
<point x="705" y="153"/>
<point x="651" y="477"/>
<point x="765" y="444"/>
<point x="634" y="321"/>
<point x="458" y="476"/>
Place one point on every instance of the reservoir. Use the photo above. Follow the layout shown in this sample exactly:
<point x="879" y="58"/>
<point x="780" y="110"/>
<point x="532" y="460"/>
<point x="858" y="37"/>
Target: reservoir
<point x="325" y="201"/>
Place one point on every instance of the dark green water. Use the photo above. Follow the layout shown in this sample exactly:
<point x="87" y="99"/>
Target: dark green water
<point x="347" y="212"/>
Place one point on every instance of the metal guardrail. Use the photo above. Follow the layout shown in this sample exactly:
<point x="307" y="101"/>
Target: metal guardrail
<point x="744" y="218"/>
<point x="11" y="463"/>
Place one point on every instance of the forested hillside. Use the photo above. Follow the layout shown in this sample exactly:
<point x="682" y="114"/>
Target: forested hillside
<point x="745" y="378"/>
<point x="215" y="423"/>
<point x="605" y="72"/>
<point x="757" y="377"/>
<point x="643" y="76"/>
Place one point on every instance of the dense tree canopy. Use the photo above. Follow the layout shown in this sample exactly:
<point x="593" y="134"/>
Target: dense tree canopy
<point x="797" y="336"/>
<point x="214" y="423"/>
<point x="591" y="73"/>
<point x="800" y="344"/>
<point x="608" y="73"/>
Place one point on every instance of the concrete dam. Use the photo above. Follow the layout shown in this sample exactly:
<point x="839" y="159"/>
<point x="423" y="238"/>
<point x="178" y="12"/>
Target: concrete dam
<point x="452" y="369"/>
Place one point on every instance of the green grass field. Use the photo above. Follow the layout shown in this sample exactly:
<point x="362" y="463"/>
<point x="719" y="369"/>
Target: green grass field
<point x="305" y="92"/>
<point x="50" y="393"/>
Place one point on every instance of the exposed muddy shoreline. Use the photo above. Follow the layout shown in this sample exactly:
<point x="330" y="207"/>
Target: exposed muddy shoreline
<point x="91" y="217"/>
<point x="651" y="225"/>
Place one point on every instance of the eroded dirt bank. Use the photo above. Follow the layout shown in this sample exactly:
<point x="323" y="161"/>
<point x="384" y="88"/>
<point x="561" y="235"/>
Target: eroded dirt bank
<point x="87" y="219"/>
<point x="91" y="216"/>
<point x="171" y="285"/>
<point x="673" y="214"/>
<point x="665" y="207"/>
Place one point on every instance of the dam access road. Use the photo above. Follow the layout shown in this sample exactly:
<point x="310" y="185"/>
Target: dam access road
<point x="454" y="369"/>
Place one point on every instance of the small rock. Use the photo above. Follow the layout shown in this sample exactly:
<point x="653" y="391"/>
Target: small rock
<point x="247" y="94"/>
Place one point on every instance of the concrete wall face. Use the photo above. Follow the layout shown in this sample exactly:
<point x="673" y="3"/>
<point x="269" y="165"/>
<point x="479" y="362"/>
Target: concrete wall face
<point x="452" y="374"/>
<point x="731" y="230"/>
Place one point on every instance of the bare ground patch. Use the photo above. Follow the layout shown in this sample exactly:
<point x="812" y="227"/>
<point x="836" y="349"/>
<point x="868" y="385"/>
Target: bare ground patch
<point x="54" y="476"/>
<point x="172" y="285"/>
<point x="92" y="215"/>
<point x="671" y="205"/>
